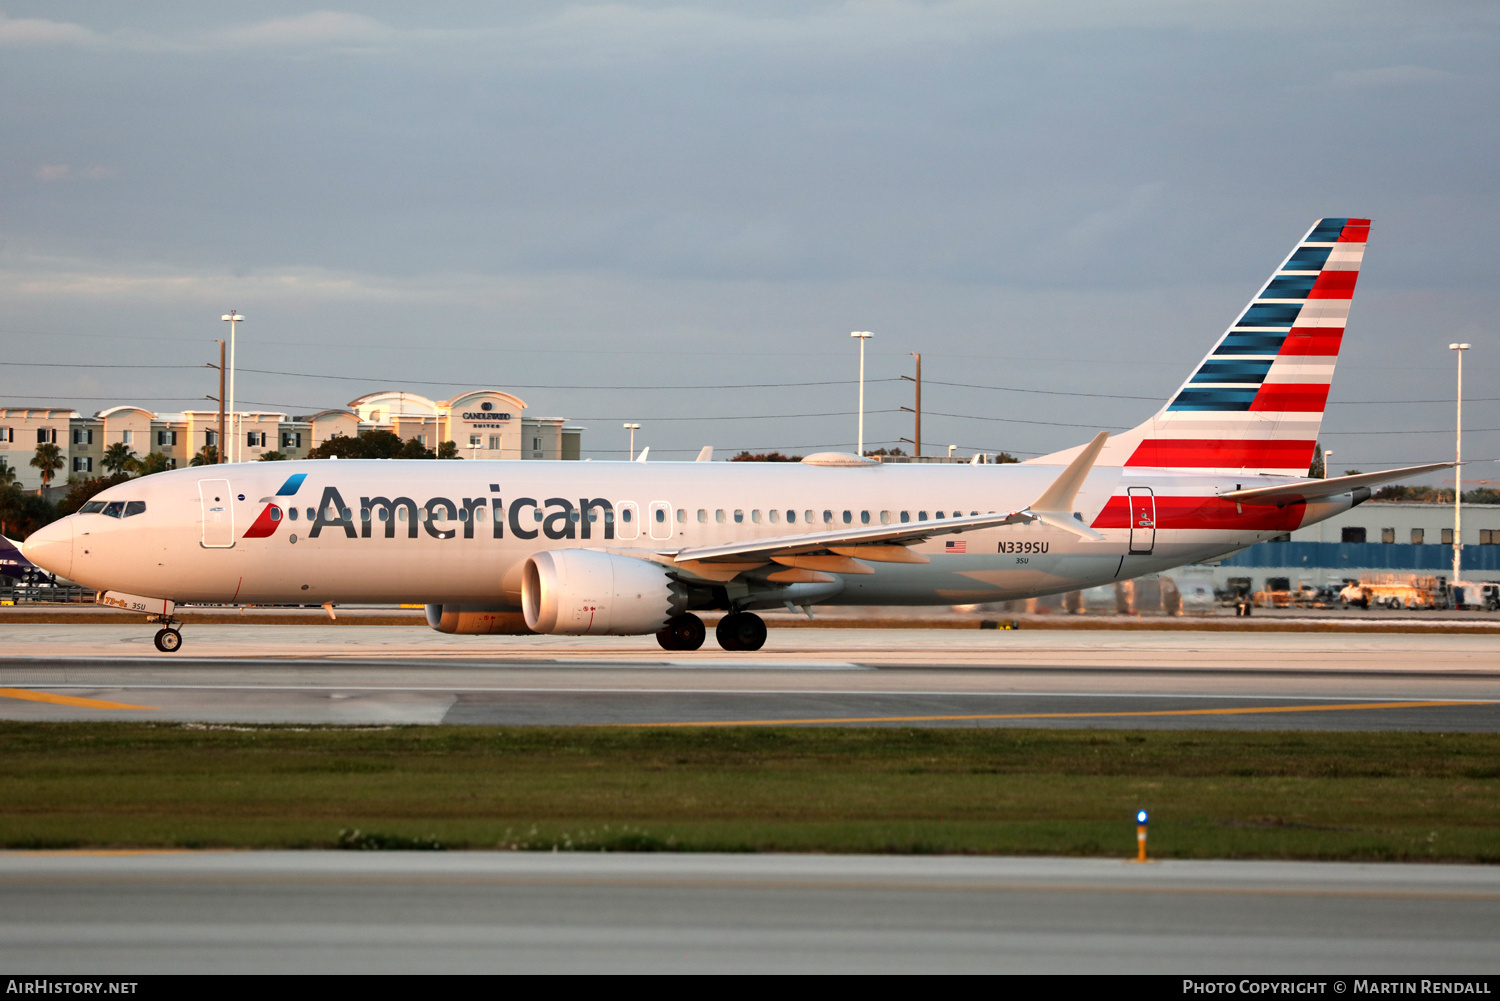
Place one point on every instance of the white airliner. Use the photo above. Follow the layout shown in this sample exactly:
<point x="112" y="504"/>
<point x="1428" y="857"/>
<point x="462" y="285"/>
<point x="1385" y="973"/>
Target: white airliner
<point x="627" y="548"/>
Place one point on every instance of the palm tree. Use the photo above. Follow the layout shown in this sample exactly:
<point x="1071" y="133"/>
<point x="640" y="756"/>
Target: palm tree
<point x="7" y="473"/>
<point x="208" y="455"/>
<point x="272" y="457"/>
<point x="119" y="458"/>
<point x="49" y="460"/>
<point x="154" y="462"/>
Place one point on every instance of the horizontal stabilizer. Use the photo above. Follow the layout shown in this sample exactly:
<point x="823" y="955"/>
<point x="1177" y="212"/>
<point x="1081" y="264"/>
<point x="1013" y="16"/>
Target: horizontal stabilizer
<point x="1310" y="489"/>
<point x="1054" y="507"/>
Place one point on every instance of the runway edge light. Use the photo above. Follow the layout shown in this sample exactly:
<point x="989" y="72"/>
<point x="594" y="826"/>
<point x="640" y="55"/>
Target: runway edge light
<point x="1140" y="836"/>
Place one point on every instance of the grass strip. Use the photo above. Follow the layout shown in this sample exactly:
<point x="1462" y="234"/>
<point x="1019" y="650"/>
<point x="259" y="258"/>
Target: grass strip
<point x="1211" y="794"/>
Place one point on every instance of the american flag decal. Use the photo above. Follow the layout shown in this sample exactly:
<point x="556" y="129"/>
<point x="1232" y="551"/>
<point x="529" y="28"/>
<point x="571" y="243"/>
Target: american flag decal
<point x="956" y="547"/>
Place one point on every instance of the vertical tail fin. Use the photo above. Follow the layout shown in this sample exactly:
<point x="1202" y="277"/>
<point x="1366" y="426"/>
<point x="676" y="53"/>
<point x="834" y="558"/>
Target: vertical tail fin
<point x="1255" y="403"/>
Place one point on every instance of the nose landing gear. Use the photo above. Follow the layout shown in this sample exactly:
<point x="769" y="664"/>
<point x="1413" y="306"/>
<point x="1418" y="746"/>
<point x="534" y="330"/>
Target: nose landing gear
<point x="169" y="637"/>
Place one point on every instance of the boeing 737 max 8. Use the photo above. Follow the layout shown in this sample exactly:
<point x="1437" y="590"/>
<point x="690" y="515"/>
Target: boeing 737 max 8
<point x="634" y="548"/>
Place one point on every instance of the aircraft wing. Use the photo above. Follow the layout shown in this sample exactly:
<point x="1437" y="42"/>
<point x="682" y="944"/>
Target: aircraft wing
<point x="1285" y="493"/>
<point x="872" y="537"/>
<point x="886" y="543"/>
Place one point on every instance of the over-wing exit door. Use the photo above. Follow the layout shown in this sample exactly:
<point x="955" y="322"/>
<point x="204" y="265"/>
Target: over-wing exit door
<point x="1142" y="520"/>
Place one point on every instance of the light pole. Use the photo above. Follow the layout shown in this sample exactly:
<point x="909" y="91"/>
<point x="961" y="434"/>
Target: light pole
<point x="632" y="428"/>
<point x="863" y="335"/>
<point x="950" y="450"/>
<point x="1458" y="458"/>
<point x="1327" y="468"/>
<point x="233" y="317"/>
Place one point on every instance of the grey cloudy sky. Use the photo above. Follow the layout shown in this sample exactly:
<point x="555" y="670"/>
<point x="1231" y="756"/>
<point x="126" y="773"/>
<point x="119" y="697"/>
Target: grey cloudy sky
<point x="1070" y="197"/>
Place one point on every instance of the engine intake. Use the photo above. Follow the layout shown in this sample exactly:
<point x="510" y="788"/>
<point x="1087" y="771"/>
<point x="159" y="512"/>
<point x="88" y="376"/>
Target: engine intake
<point x="579" y="592"/>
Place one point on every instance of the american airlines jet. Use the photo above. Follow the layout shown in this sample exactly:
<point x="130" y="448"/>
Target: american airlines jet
<point x="621" y="548"/>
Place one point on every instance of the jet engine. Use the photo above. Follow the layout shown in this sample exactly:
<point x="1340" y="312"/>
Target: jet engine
<point x="579" y="592"/>
<point x="472" y="620"/>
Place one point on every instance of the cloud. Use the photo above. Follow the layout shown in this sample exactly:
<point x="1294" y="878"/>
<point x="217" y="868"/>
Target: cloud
<point x="320" y="28"/>
<point x="39" y="32"/>
<point x="49" y="172"/>
<point x="1392" y="76"/>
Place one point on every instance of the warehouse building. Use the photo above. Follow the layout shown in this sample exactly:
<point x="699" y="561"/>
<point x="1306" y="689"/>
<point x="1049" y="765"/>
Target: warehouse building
<point x="484" y="423"/>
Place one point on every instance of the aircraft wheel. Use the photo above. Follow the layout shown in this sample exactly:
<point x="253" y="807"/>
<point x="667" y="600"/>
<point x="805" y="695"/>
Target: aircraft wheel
<point x="168" y="640"/>
<point x="1396" y="604"/>
<point x="741" y="631"/>
<point x="682" y="632"/>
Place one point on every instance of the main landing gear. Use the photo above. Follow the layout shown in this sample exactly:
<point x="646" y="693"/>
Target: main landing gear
<point x="741" y="631"/>
<point x="736" y="631"/>
<point x="682" y="632"/>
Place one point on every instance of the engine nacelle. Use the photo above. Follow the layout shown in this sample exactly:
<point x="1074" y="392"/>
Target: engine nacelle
<point x="578" y="592"/>
<point x="475" y="621"/>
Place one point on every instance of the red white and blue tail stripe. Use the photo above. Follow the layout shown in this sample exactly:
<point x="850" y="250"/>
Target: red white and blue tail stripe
<point x="1255" y="403"/>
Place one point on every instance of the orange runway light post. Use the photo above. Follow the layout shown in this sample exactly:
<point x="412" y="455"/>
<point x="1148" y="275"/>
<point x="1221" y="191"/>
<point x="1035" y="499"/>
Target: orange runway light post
<point x="1140" y="836"/>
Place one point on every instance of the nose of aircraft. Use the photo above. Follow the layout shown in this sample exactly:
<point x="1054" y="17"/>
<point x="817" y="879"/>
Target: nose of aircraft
<point x="51" y="547"/>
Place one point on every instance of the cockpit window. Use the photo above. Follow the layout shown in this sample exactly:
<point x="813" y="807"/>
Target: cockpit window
<point x="92" y="507"/>
<point x="114" y="509"/>
<point x="134" y="507"/>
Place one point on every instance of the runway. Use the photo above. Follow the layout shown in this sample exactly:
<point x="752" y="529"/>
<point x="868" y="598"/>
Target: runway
<point x="386" y="675"/>
<point x="358" y="912"/>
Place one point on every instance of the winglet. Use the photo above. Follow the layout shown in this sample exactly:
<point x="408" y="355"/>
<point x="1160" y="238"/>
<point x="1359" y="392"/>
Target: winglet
<point x="1055" y="506"/>
<point x="705" y="454"/>
<point x="644" y="452"/>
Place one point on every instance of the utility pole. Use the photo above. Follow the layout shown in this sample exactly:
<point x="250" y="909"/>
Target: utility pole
<point x="917" y="441"/>
<point x="220" y="399"/>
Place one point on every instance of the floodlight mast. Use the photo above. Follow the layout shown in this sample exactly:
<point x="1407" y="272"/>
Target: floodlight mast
<point x="863" y="335"/>
<point x="233" y="317"/>
<point x="1458" y="459"/>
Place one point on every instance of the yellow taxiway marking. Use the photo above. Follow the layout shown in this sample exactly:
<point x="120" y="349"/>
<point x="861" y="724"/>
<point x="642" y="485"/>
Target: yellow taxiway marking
<point x="1247" y="710"/>
<point x="65" y="700"/>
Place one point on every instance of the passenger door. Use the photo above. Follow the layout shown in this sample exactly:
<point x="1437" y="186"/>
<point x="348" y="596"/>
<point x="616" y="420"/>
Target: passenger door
<point x="1142" y="520"/>
<point x="218" y="514"/>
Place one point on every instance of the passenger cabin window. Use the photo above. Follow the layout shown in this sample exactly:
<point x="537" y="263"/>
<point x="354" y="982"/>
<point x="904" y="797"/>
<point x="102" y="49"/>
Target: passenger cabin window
<point x="810" y="517"/>
<point x="905" y="517"/>
<point x="775" y="516"/>
<point x="291" y="513"/>
<point x="681" y="516"/>
<point x="739" y="516"/>
<point x="625" y="515"/>
<point x="755" y="516"/>
<point x="791" y="517"/>
<point x="921" y="515"/>
<point x="661" y="515"/>
<point x="702" y="516"/>
<point x="828" y="517"/>
<point x="848" y="517"/>
<point x="885" y="517"/>
<point x="864" y="517"/>
<point x="719" y="516"/>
